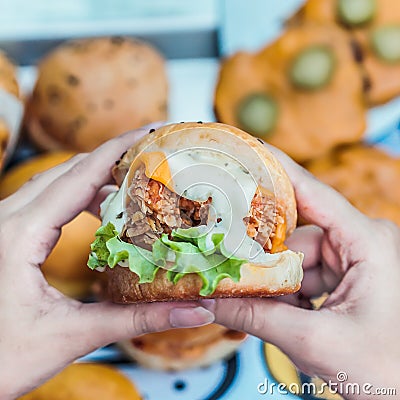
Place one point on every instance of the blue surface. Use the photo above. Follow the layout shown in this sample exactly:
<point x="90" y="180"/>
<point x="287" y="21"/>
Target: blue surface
<point x="236" y="378"/>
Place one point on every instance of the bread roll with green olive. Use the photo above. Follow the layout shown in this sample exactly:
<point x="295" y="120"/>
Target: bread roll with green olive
<point x="91" y="90"/>
<point x="303" y="93"/>
<point x="373" y="26"/>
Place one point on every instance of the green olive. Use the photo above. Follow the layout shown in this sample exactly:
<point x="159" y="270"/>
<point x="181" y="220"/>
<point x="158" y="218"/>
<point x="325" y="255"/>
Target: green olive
<point x="356" y="12"/>
<point x="312" y="68"/>
<point x="258" y="114"/>
<point x="386" y="43"/>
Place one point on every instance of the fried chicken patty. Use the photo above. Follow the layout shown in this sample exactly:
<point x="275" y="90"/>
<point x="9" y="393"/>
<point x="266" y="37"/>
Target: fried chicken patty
<point x="154" y="209"/>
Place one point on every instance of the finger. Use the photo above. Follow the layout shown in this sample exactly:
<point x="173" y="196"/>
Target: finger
<point x="308" y="240"/>
<point x="319" y="280"/>
<point x="73" y="191"/>
<point x="99" y="324"/>
<point x="281" y="324"/>
<point x="296" y="299"/>
<point x="318" y="203"/>
<point x="27" y="192"/>
<point x="318" y="277"/>
<point x="101" y="195"/>
<point x="72" y="329"/>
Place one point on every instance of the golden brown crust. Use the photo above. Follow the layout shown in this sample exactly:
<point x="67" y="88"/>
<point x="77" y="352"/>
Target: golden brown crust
<point x="181" y="349"/>
<point x="309" y="123"/>
<point x="91" y="90"/>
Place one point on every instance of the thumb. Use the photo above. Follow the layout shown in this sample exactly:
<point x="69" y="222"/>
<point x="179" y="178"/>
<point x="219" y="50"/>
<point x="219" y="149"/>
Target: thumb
<point x="284" y="325"/>
<point x="98" y="324"/>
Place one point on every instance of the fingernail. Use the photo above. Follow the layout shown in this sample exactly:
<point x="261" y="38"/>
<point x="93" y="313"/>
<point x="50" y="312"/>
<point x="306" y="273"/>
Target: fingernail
<point x="209" y="304"/>
<point x="190" y="317"/>
<point x="153" y="125"/>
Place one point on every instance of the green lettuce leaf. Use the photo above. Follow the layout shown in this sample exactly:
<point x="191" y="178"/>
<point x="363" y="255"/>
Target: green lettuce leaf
<point x="192" y="250"/>
<point x="99" y="254"/>
<point x="140" y="261"/>
<point x="108" y="250"/>
<point x="227" y="269"/>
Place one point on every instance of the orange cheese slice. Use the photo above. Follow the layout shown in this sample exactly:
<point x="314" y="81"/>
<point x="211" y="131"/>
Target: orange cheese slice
<point x="157" y="168"/>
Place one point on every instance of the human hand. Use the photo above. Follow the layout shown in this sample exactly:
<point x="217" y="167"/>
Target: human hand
<point x="41" y="331"/>
<point x="356" y="260"/>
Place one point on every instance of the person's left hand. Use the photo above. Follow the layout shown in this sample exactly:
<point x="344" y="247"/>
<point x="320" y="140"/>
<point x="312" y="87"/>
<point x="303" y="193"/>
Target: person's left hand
<point x="41" y="331"/>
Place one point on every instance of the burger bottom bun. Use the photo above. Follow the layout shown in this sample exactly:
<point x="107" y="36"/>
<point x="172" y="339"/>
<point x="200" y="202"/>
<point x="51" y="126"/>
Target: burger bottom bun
<point x="181" y="349"/>
<point x="282" y="276"/>
<point x="86" y="381"/>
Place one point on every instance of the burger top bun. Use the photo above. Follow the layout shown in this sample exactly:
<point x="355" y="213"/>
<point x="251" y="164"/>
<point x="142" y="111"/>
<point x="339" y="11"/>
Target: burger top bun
<point x="9" y="85"/>
<point x="65" y="268"/>
<point x="91" y="90"/>
<point x="88" y="382"/>
<point x="248" y="150"/>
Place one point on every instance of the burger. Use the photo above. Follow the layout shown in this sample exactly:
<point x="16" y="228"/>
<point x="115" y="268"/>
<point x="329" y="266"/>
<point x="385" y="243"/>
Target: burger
<point x="64" y="268"/>
<point x="90" y="90"/>
<point x="182" y="349"/>
<point x="88" y="382"/>
<point x="202" y="211"/>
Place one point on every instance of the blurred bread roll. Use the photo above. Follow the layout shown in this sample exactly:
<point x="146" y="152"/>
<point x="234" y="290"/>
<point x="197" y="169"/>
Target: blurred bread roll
<point x="367" y="176"/>
<point x="181" y="349"/>
<point x="9" y="92"/>
<point x="309" y="121"/>
<point x="91" y="90"/>
<point x="86" y="382"/>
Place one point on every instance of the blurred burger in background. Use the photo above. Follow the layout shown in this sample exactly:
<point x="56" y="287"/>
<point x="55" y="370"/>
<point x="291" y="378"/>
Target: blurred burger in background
<point x="91" y="90"/>
<point x="374" y="29"/>
<point x="86" y="382"/>
<point x="11" y="107"/>
<point x="302" y="93"/>
<point x="65" y="267"/>
<point x="181" y="349"/>
<point x="367" y="176"/>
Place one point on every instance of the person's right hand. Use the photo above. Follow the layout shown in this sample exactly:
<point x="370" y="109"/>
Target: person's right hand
<point x="355" y="259"/>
